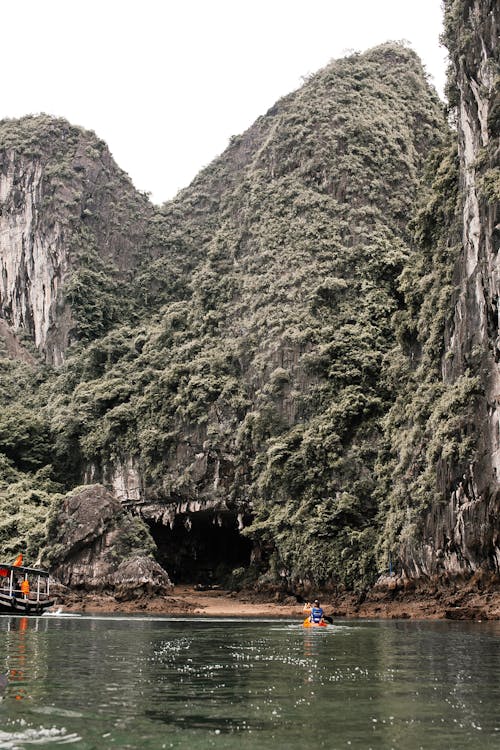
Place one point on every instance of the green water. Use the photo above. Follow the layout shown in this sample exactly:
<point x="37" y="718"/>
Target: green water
<point x="99" y="682"/>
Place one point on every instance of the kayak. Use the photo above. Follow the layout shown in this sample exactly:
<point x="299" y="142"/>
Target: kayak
<point x="308" y="624"/>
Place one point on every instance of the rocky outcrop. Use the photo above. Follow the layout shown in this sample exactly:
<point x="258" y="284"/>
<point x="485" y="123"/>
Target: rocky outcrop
<point x="33" y="261"/>
<point x="458" y="540"/>
<point x="63" y="202"/>
<point x="12" y="346"/>
<point x="96" y="546"/>
<point x="123" y="478"/>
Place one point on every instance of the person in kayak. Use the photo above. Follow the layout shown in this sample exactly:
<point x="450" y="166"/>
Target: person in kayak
<point x="315" y="612"/>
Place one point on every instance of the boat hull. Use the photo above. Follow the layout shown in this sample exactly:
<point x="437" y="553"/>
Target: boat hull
<point x="308" y="624"/>
<point x="13" y="605"/>
<point x="23" y="590"/>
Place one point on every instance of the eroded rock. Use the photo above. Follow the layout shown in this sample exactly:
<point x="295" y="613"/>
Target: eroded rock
<point x="96" y="546"/>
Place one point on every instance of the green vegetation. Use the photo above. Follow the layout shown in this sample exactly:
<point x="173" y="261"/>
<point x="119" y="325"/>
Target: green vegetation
<point x="27" y="486"/>
<point x="432" y="433"/>
<point x="269" y="324"/>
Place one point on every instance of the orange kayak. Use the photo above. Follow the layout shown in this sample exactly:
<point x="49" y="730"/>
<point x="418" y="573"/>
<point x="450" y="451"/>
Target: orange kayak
<point x="308" y="624"/>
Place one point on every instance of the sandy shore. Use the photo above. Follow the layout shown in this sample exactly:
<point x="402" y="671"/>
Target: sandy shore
<point x="186" y="600"/>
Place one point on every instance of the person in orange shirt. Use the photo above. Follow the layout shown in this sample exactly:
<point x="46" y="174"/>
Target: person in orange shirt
<point x="25" y="588"/>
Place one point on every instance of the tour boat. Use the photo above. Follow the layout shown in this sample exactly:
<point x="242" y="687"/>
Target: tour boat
<point x="24" y="591"/>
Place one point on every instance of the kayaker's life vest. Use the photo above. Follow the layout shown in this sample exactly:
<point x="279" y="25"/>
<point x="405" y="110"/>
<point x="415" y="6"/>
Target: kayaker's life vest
<point x="316" y="614"/>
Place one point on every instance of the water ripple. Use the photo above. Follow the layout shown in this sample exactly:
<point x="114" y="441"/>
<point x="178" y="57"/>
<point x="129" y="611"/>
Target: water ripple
<point x="17" y="740"/>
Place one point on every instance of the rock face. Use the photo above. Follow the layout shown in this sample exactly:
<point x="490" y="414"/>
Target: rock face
<point x="98" y="547"/>
<point x="12" y="345"/>
<point x="32" y="262"/>
<point x="249" y="395"/>
<point x="61" y="198"/>
<point x="469" y="530"/>
<point x="258" y="395"/>
<point x="461" y="535"/>
<point x="474" y="330"/>
<point x="241" y="407"/>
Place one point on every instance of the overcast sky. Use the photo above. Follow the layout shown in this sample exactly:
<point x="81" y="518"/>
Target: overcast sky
<point x="166" y="82"/>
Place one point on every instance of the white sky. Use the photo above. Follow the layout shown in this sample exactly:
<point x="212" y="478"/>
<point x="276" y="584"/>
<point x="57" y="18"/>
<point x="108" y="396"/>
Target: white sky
<point x="166" y="82"/>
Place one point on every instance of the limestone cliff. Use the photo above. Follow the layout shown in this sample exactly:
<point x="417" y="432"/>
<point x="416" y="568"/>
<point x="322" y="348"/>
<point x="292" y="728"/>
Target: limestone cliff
<point x="291" y="369"/>
<point x="254" y="398"/>
<point x="473" y="334"/>
<point x="444" y="485"/>
<point x="468" y="531"/>
<point x="63" y="204"/>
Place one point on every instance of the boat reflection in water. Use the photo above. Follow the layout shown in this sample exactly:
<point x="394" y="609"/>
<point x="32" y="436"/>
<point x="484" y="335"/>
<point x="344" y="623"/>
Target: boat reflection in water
<point x="24" y="655"/>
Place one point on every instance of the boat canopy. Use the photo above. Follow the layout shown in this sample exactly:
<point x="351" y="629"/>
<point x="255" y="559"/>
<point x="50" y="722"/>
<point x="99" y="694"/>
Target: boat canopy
<point x="23" y="570"/>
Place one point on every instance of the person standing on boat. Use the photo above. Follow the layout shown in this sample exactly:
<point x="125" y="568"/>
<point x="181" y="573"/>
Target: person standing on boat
<point x="25" y="588"/>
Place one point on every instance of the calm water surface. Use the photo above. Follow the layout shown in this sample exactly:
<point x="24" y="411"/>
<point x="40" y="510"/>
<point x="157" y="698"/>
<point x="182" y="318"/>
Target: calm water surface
<point x="130" y="682"/>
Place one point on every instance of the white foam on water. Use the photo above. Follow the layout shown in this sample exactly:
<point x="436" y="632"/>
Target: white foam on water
<point x="18" y="740"/>
<point x="60" y="613"/>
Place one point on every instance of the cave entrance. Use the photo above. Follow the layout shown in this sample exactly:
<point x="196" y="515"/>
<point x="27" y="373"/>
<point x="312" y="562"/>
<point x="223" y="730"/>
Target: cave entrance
<point x="202" y="547"/>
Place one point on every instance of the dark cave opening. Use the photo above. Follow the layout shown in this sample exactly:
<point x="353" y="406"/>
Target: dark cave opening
<point x="202" y="547"/>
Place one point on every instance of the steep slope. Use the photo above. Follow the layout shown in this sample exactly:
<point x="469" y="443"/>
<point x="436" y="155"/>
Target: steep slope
<point x="291" y="370"/>
<point x="255" y="398"/>
<point x="442" y="482"/>
<point x="72" y="229"/>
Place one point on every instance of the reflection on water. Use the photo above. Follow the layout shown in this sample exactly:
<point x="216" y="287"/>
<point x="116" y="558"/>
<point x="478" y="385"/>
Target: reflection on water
<point x="154" y="683"/>
<point x="21" y="654"/>
<point x="17" y="670"/>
